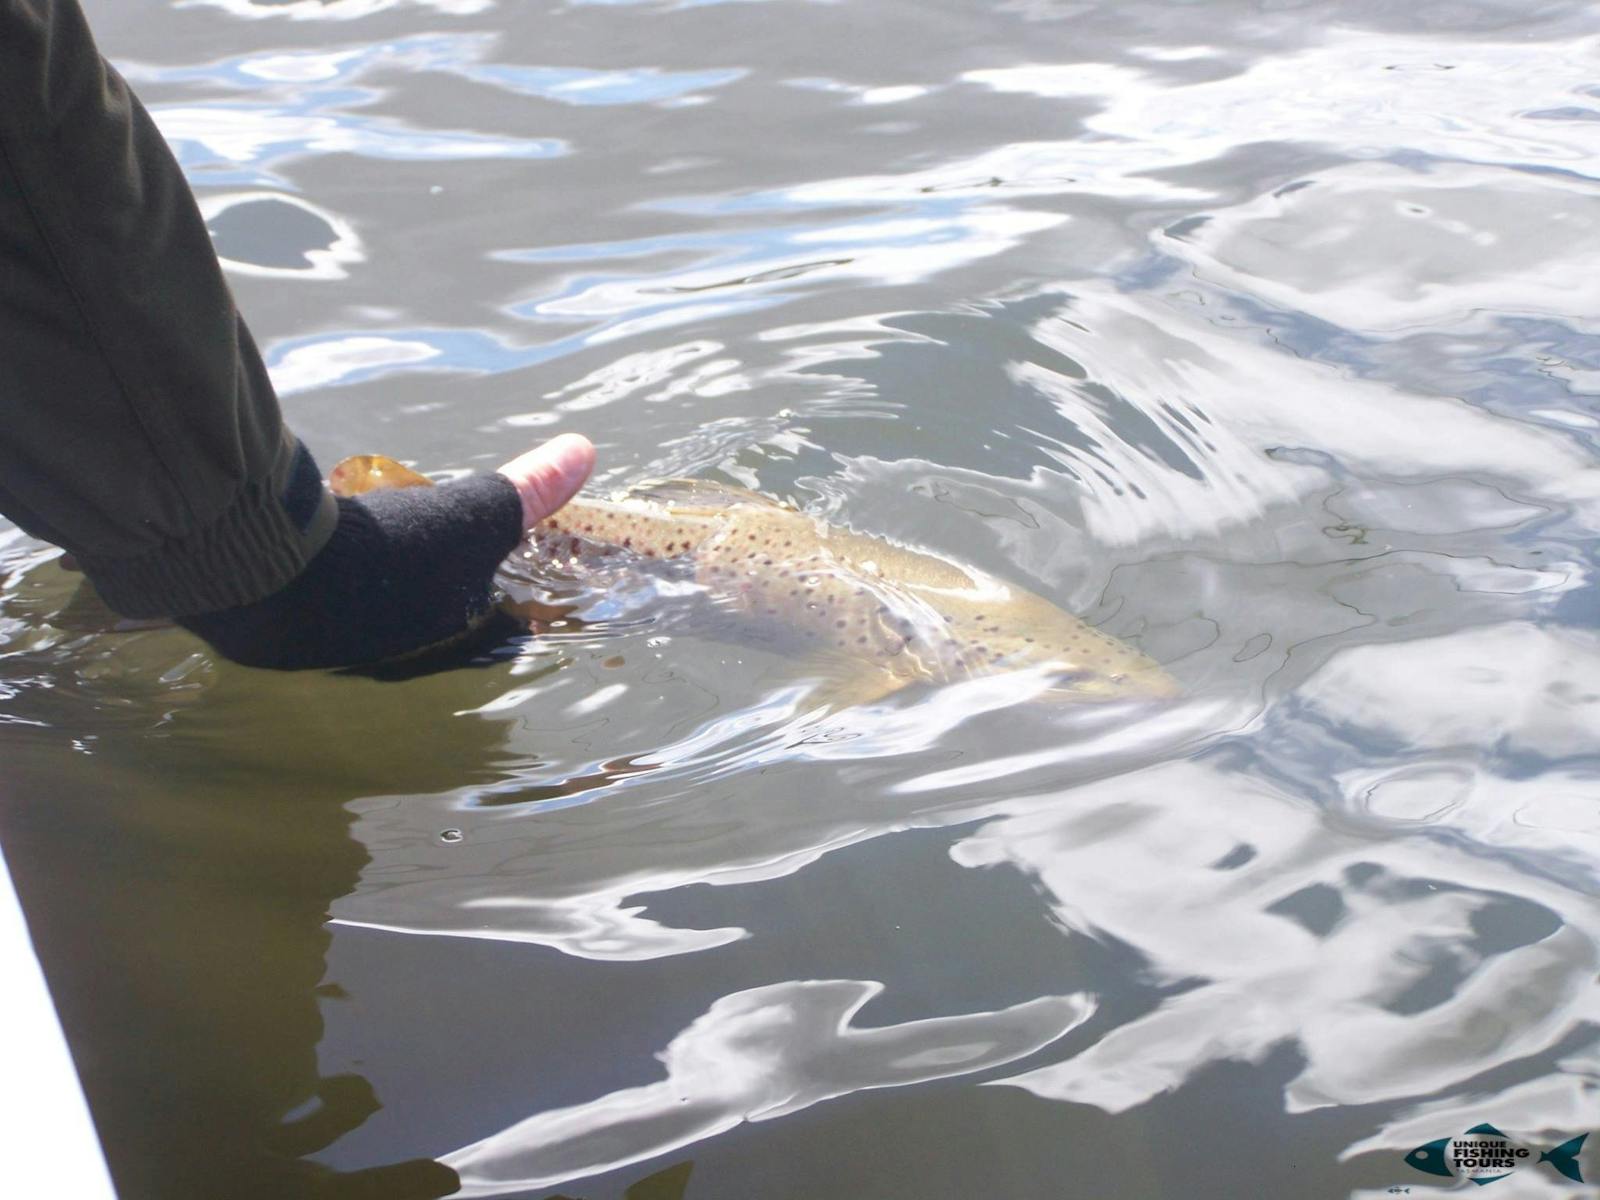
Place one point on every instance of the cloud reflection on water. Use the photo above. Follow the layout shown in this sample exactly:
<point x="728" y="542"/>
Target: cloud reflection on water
<point x="1256" y="404"/>
<point x="1386" y="248"/>
<point x="1176" y="888"/>
<point x="465" y="55"/>
<point x="333" y="10"/>
<point x="510" y="880"/>
<point x="208" y="138"/>
<point x="1461" y="100"/>
<point x="1517" y="687"/>
<point x="753" y="1056"/>
<point x="1401" y="949"/>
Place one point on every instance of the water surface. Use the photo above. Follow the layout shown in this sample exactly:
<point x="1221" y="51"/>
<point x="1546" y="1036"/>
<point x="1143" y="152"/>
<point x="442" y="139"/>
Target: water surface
<point x="1257" y="334"/>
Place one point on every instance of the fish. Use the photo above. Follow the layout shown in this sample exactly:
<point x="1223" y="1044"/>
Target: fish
<point x="865" y="615"/>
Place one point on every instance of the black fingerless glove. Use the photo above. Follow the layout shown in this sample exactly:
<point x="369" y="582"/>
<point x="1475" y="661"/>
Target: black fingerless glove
<point x="403" y="571"/>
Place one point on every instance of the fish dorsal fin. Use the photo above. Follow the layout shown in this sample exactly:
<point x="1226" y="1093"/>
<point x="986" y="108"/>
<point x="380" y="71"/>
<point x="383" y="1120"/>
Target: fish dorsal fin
<point x="707" y="494"/>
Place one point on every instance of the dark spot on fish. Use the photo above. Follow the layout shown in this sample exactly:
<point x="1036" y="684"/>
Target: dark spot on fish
<point x="838" y="624"/>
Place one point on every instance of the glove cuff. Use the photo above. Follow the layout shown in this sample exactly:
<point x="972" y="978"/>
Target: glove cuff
<point x="403" y="570"/>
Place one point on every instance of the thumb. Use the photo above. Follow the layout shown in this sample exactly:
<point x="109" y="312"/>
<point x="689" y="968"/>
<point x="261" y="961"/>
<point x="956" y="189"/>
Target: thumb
<point x="547" y="476"/>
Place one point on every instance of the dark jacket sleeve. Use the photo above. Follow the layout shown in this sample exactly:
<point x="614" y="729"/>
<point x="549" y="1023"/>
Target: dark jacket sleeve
<point x="138" y="428"/>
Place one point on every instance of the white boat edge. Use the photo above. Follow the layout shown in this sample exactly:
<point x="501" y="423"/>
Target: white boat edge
<point x="47" y="1138"/>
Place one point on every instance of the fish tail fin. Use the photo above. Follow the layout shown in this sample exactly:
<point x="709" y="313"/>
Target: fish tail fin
<point x="1564" y="1157"/>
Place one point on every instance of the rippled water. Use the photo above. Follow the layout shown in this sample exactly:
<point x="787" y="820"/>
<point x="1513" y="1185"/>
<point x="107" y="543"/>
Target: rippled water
<point x="1259" y="335"/>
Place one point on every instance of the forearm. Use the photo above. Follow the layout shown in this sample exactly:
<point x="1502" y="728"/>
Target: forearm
<point x="138" y="427"/>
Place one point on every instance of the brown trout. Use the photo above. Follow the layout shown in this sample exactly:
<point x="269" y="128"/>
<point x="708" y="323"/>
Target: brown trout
<point x="869" y="617"/>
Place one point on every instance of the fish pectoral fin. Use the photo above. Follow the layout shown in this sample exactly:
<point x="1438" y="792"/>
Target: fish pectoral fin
<point x="708" y="495"/>
<point x="372" y="473"/>
<point x="841" y="681"/>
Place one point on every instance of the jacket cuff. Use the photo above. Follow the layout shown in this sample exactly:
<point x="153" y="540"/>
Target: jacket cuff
<point x="255" y="547"/>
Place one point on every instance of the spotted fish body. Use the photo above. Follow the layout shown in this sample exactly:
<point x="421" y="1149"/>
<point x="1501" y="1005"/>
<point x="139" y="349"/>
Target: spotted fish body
<point x="868" y="616"/>
<point x="877" y="616"/>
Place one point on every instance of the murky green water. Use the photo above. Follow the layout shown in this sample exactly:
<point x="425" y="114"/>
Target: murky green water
<point x="1260" y="335"/>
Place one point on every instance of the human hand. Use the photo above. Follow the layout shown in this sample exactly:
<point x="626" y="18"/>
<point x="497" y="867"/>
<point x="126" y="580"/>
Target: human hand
<point x="547" y="476"/>
<point x="405" y="569"/>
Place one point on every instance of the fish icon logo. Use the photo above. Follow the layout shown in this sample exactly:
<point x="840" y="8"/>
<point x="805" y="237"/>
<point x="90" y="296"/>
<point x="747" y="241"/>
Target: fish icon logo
<point x="1484" y="1155"/>
<point x="1564" y="1157"/>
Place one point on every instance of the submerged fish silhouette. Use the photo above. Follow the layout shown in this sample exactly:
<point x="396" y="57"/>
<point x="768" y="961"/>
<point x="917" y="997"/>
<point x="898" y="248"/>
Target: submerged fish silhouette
<point x="869" y="616"/>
